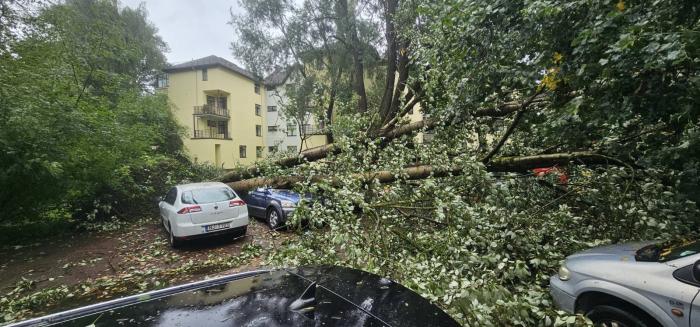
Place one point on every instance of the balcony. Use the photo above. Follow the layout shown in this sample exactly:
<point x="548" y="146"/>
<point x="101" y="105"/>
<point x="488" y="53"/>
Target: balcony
<point x="211" y="112"/>
<point x="210" y="133"/>
<point x="313" y="130"/>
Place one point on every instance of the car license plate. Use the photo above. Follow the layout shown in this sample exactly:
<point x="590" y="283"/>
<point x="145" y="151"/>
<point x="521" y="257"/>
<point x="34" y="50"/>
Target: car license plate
<point x="214" y="227"/>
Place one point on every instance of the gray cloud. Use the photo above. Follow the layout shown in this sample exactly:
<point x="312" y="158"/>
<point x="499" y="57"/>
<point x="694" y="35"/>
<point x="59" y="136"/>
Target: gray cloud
<point x="192" y="29"/>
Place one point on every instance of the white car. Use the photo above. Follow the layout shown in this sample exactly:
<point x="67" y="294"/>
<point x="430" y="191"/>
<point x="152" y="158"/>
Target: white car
<point x="643" y="284"/>
<point x="198" y="210"/>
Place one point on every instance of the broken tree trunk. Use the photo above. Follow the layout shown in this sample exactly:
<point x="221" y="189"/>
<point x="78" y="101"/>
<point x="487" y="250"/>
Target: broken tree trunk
<point x="323" y="151"/>
<point x="502" y="164"/>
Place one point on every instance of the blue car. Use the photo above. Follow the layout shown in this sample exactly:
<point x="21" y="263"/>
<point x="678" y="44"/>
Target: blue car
<point x="275" y="206"/>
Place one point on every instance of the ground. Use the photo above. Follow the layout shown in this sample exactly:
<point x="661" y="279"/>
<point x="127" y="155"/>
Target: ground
<point x="60" y="273"/>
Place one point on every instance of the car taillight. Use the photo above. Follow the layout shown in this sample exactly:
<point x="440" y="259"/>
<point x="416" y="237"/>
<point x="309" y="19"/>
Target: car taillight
<point x="191" y="209"/>
<point x="236" y="203"/>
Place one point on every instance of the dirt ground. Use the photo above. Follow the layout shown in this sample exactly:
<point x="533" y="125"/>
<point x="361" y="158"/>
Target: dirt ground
<point x="79" y="259"/>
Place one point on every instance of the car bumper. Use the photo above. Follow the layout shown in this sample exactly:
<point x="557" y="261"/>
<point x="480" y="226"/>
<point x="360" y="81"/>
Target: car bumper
<point x="235" y="230"/>
<point x="562" y="299"/>
<point x="188" y="230"/>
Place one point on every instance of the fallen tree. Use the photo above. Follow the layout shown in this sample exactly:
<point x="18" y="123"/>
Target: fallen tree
<point x="323" y="151"/>
<point x="500" y="164"/>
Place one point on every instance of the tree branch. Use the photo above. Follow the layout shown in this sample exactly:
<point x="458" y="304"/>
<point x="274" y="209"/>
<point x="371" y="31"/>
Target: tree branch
<point x="511" y="128"/>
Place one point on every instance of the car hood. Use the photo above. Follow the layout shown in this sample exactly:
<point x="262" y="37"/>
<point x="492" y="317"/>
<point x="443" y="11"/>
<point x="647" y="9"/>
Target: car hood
<point x="624" y="252"/>
<point x="308" y="296"/>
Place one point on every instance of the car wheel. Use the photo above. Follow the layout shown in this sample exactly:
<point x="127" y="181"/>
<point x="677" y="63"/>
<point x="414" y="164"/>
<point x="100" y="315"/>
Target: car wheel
<point x="175" y="243"/>
<point x="612" y="316"/>
<point x="274" y="218"/>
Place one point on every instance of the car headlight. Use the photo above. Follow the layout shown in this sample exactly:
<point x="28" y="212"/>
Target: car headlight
<point x="564" y="273"/>
<point x="287" y="204"/>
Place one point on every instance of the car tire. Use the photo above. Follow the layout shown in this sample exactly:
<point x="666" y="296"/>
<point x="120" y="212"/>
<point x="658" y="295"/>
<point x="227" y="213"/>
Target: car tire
<point x="174" y="242"/>
<point x="613" y="316"/>
<point x="274" y="218"/>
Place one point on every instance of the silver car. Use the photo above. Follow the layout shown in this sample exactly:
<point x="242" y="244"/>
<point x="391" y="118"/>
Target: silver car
<point x="198" y="210"/>
<point x="636" y="284"/>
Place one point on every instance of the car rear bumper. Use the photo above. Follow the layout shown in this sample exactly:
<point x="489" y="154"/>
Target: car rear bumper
<point x="188" y="230"/>
<point x="562" y="299"/>
<point x="235" y="230"/>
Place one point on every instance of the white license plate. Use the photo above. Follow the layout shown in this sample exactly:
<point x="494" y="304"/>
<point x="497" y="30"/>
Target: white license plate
<point x="214" y="227"/>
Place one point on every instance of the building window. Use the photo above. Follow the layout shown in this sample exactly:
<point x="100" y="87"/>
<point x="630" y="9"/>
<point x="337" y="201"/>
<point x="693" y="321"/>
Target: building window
<point x="258" y="152"/>
<point x="241" y="151"/>
<point x="258" y="130"/>
<point x="257" y="88"/>
<point x="272" y="149"/>
<point x="291" y="130"/>
<point x="205" y="75"/>
<point x="257" y="110"/>
<point x="292" y="148"/>
<point x="272" y="128"/>
<point x="271" y="108"/>
<point x="162" y="81"/>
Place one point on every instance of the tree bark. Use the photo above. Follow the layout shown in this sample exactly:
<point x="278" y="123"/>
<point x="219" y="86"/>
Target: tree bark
<point x="502" y="164"/>
<point x="391" y="52"/>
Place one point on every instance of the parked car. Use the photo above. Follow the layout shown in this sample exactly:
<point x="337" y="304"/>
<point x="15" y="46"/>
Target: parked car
<point x="636" y="284"/>
<point x="275" y="206"/>
<point x="202" y="209"/>
<point x="308" y="296"/>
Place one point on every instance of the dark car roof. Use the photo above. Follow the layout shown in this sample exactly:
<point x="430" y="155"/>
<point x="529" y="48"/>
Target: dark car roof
<point x="308" y="296"/>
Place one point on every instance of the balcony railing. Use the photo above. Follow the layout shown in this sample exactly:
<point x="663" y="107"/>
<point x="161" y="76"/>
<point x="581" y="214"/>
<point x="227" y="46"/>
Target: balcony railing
<point x="313" y="130"/>
<point x="211" y="133"/>
<point x="211" y="110"/>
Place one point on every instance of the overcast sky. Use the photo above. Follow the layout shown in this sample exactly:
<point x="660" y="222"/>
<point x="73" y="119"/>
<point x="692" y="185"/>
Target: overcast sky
<point x="192" y="29"/>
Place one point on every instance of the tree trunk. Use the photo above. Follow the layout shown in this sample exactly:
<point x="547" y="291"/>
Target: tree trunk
<point x="350" y="26"/>
<point x="391" y="52"/>
<point x="502" y="164"/>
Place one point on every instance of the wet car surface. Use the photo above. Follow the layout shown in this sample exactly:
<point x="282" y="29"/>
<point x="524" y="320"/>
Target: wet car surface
<point x="309" y="296"/>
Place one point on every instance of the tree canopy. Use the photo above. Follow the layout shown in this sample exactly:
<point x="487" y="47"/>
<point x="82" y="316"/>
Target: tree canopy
<point x="78" y="119"/>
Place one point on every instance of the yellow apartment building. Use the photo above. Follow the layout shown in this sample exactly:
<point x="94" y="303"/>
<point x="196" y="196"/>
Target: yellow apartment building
<point x="221" y="106"/>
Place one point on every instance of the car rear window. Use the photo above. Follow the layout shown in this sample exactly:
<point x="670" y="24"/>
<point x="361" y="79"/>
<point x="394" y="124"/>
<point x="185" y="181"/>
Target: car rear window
<point x="207" y="195"/>
<point x="669" y="250"/>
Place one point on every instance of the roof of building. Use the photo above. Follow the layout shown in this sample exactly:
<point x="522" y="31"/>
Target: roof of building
<point x="278" y="77"/>
<point x="211" y="61"/>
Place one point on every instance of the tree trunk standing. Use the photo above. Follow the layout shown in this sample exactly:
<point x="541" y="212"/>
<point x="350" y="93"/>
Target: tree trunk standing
<point x="403" y="68"/>
<point x="348" y="21"/>
<point x="331" y="105"/>
<point x="390" y="35"/>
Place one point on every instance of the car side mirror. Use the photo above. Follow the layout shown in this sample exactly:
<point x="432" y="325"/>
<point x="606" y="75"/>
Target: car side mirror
<point x="696" y="271"/>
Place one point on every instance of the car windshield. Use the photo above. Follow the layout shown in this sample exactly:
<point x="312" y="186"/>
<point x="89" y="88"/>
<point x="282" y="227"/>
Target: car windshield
<point x="669" y="250"/>
<point x="207" y="195"/>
